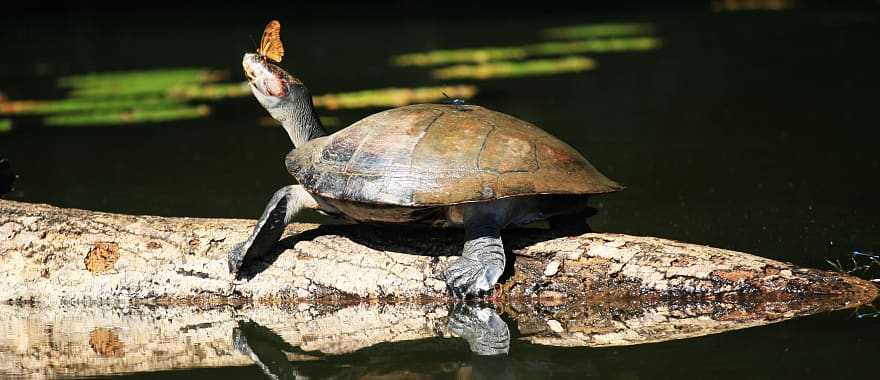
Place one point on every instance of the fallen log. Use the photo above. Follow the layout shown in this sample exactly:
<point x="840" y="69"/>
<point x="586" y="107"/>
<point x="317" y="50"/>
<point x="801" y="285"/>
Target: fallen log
<point x="51" y="255"/>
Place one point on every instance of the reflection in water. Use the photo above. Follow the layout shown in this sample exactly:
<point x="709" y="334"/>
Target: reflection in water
<point x="264" y="347"/>
<point x="318" y="340"/>
<point x="481" y="327"/>
<point x="487" y="335"/>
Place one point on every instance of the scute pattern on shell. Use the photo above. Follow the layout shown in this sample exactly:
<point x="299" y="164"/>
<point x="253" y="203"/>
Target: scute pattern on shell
<point x="442" y="154"/>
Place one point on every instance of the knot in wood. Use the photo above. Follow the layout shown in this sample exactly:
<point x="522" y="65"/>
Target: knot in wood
<point x="102" y="257"/>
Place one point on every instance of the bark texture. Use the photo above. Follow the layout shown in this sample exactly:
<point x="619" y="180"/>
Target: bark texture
<point x="51" y="255"/>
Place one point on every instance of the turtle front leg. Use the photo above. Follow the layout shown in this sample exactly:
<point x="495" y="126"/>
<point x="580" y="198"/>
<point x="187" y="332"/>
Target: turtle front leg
<point x="482" y="260"/>
<point x="284" y="205"/>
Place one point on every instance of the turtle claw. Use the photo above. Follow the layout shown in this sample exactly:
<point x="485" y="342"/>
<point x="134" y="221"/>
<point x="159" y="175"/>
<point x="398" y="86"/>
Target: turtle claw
<point x="235" y="259"/>
<point x="468" y="278"/>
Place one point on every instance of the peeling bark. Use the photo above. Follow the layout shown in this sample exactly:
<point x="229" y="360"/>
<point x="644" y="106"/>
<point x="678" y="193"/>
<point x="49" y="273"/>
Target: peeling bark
<point x="51" y="255"/>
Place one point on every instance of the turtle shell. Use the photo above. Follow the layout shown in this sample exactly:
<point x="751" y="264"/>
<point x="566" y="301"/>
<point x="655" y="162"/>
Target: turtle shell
<point x="442" y="154"/>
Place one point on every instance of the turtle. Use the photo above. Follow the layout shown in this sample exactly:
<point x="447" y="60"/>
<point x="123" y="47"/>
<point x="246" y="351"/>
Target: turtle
<point x="454" y="164"/>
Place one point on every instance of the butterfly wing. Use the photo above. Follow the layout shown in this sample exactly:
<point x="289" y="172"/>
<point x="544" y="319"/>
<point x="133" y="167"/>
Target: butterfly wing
<point x="270" y="45"/>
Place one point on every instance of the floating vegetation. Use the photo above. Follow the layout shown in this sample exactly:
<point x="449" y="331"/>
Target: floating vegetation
<point x="392" y="97"/>
<point x="165" y="95"/>
<point x="597" y="46"/>
<point x="130" y="116"/>
<point x="516" y="69"/>
<point x="603" y="45"/>
<point x="145" y="96"/>
<point x="136" y="82"/>
<point x="599" y="30"/>
<point x="752" y="5"/>
<point x="18" y="106"/>
<point x="210" y="91"/>
<point x="41" y="107"/>
<point x="176" y="75"/>
<point x="5" y="125"/>
<point x="439" y="57"/>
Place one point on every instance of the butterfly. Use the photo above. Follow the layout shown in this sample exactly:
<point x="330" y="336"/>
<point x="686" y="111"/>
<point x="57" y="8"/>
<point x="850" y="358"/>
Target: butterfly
<point x="270" y="44"/>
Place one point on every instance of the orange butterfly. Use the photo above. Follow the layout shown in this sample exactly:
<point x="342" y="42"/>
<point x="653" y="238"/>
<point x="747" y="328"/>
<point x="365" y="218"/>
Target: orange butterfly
<point x="270" y="45"/>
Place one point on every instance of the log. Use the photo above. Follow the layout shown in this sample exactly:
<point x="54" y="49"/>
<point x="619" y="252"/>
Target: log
<point x="52" y="255"/>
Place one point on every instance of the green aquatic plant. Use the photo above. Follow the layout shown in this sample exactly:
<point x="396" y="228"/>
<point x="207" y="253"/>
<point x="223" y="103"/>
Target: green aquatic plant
<point x="129" y="117"/>
<point x="516" y="69"/>
<point x="210" y="91"/>
<point x="752" y="5"/>
<point x="163" y="95"/>
<point x="42" y="107"/>
<point x="596" y="46"/>
<point x="599" y="30"/>
<point x="151" y="108"/>
<point x="439" y="57"/>
<point x="184" y="74"/>
<point x="136" y="82"/>
<point x="392" y="97"/>
<point x="487" y="54"/>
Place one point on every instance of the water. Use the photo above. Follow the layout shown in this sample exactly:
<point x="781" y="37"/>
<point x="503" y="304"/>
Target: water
<point x="753" y="131"/>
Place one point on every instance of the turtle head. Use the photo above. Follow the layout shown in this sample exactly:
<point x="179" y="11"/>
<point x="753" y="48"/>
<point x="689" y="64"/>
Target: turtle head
<point x="269" y="83"/>
<point x="285" y="97"/>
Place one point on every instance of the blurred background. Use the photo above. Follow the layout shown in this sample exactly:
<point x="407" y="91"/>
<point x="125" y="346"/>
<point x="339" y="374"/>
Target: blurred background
<point x="745" y="124"/>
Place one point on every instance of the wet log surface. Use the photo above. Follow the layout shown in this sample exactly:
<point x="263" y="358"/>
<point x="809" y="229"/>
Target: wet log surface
<point x="51" y="255"/>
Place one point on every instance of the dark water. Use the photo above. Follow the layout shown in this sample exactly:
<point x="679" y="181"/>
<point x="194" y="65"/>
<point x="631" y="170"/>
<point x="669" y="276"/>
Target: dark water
<point x="754" y="131"/>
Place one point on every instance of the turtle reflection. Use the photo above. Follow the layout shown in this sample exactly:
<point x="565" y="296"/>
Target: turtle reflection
<point x="479" y="325"/>
<point x="488" y="337"/>
<point x="266" y="349"/>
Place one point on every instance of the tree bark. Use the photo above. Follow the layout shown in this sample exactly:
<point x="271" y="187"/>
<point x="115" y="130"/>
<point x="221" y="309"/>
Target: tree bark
<point x="52" y="255"/>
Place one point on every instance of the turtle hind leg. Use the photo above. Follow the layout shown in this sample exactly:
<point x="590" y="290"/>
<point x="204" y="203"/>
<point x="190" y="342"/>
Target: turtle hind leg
<point x="482" y="260"/>
<point x="284" y="205"/>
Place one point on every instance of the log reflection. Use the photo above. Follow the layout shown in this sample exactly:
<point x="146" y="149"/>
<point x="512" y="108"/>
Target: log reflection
<point x="472" y="340"/>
